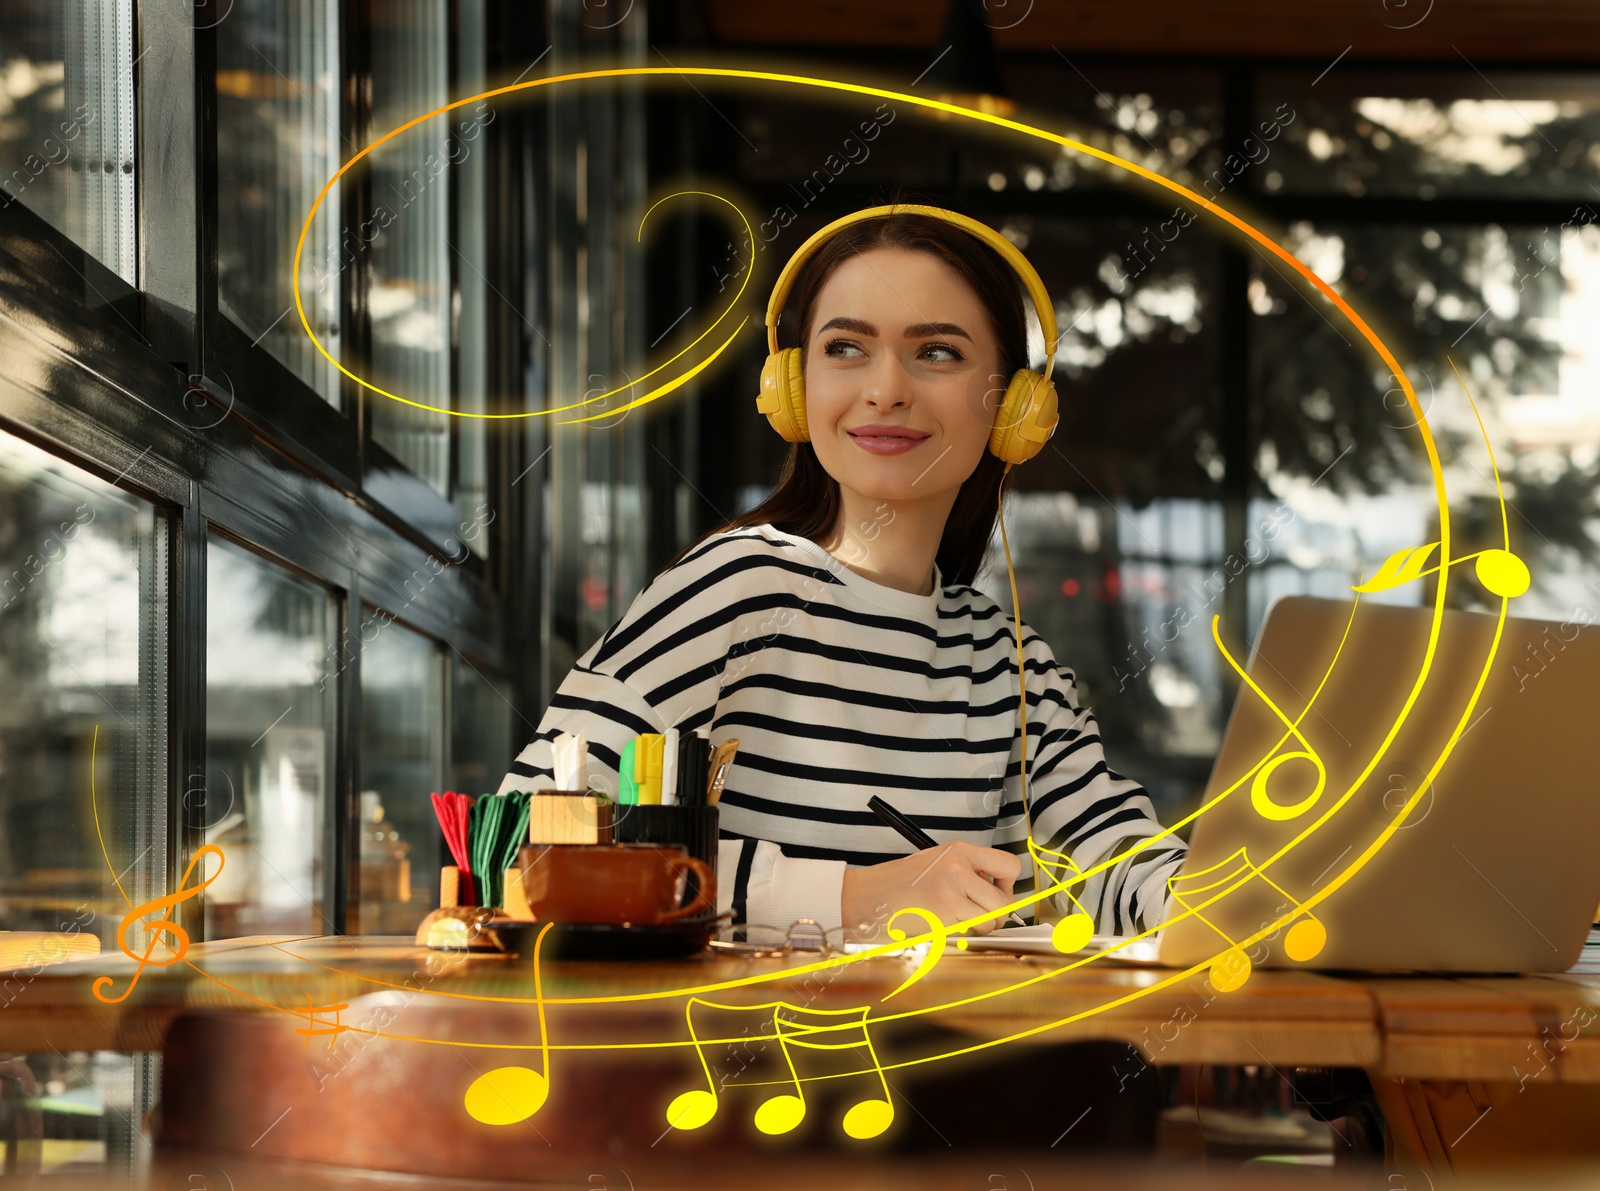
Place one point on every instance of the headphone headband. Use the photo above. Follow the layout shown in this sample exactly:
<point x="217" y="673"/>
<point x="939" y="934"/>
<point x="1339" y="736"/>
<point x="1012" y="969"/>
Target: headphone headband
<point x="1030" y="277"/>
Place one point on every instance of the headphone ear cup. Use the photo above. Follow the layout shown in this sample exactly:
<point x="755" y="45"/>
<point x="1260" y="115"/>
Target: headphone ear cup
<point x="783" y="395"/>
<point x="1027" y="418"/>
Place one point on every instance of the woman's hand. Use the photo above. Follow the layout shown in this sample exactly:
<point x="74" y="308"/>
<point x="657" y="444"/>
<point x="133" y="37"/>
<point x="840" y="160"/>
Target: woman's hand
<point x="951" y="881"/>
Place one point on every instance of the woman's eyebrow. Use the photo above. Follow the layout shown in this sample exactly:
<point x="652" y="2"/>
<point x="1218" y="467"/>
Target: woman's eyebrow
<point x="859" y="326"/>
<point x="916" y="331"/>
<point x="922" y="329"/>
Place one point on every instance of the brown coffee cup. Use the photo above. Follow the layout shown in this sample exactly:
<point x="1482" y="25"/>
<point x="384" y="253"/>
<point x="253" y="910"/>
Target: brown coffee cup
<point x="623" y="884"/>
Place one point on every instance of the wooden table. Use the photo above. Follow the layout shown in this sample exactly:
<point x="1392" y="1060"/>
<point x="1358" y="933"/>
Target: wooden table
<point x="1278" y="1017"/>
<point x="1470" y="1072"/>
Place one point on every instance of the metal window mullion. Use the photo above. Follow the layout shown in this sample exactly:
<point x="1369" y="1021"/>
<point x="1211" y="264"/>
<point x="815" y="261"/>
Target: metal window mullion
<point x="185" y="803"/>
<point x="340" y="855"/>
<point x="117" y="45"/>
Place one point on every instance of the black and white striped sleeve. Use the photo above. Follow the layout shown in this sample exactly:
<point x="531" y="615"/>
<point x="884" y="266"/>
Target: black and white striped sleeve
<point x="1081" y="807"/>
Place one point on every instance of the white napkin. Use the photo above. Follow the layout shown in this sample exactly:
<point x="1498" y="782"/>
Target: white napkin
<point x="571" y="761"/>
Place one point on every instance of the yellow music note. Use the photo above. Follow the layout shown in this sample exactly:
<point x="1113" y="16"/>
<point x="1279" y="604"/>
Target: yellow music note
<point x="1073" y="931"/>
<point x="313" y="1031"/>
<point x="163" y="925"/>
<point x="834" y="1031"/>
<point x="1259" y="798"/>
<point x="509" y="1095"/>
<point x="1501" y="571"/>
<point x="1232" y="968"/>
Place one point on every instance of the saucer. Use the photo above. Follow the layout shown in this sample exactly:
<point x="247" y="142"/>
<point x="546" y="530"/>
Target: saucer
<point x="607" y="940"/>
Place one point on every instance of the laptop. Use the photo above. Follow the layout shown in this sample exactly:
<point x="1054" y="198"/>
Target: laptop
<point x="1494" y="866"/>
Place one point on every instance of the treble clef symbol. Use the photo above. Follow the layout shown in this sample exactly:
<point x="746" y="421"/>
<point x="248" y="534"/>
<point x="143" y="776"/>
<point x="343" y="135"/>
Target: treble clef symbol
<point x="180" y="937"/>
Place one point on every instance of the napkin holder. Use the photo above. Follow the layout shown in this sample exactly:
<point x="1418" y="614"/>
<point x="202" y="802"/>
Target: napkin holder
<point x="560" y="817"/>
<point x="571" y="817"/>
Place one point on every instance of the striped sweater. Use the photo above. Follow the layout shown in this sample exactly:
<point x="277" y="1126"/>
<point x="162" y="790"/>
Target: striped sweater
<point x="839" y="688"/>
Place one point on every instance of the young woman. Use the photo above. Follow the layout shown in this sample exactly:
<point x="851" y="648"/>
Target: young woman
<point x="835" y="631"/>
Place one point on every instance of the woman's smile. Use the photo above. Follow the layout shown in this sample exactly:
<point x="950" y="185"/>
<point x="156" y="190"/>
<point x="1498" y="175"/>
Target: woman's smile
<point x="887" y="440"/>
<point x="885" y="446"/>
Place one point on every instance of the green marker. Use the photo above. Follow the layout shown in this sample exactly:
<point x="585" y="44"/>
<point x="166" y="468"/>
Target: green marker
<point x="627" y="788"/>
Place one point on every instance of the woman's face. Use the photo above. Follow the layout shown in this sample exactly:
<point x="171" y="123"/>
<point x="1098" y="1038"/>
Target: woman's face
<point x="899" y="340"/>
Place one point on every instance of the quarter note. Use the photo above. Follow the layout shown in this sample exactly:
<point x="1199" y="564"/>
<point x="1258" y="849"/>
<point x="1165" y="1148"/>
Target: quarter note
<point x="509" y="1095"/>
<point x="1073" y="931"/>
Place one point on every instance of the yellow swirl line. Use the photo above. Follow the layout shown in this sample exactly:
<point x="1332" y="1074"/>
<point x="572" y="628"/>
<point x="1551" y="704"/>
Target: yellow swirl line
<point x="1206" y="204"/>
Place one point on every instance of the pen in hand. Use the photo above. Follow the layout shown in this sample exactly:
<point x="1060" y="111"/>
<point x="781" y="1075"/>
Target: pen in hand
<point x="917" y="837"/>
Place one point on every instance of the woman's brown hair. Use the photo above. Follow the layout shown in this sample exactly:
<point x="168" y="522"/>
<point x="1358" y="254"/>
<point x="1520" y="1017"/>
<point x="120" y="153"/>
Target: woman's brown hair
<point x="806" y="499"/>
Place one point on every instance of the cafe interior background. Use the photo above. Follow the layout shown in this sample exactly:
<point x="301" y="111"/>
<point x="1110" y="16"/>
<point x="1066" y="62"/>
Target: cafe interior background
<point x="281" y="609"/>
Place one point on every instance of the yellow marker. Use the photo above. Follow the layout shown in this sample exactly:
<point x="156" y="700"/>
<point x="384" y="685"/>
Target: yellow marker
<point x="648" y="751"/>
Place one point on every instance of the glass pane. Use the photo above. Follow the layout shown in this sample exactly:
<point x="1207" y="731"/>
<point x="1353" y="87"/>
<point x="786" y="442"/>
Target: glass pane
<point x="402" y="743"/>
<point x="82" y="670"/>
<point x="67" y="118"/>
<point x="1423" y="135"/>
<point x="93" y="1131"/>
<point x="1514" y="309"/>
<point x="1137" y="313"/>
<point x="270" y="733"/>
<point x="278" y="143"/>
<point x="409" y="286"/>
<point x="1110" y="587"/>
<point x="1170" y="123"/>
<point x="595" y="472"/>
<point x="480" y="741"/>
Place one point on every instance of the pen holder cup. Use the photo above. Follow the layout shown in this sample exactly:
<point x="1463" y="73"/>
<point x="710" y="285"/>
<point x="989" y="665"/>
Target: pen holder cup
<point x="692" y="828"/>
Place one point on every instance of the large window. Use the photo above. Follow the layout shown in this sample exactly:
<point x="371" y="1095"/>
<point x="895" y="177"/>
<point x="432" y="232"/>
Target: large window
<point x="83" y="591"/>
<point x="402" y="762"/>
<point x="83" y="763"/>
<point x="279" y="140"/>
<point x="408" y="293"/>
<point x="1431" y="134"/>
<point x="66" y="121"/>
<point x="481" y="713"/>
<point x="199" y="512"/>
<point x="271" y="700"/>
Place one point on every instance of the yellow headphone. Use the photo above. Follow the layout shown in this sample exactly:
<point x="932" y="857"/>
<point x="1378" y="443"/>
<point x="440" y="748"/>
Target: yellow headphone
<point x="1026" y="418"/>
<point x="1025" y="421"/>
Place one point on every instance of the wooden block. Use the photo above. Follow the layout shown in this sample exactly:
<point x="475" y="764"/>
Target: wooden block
<point x="516" y="901"/>
<point x="561" y="818"/>
<point x="455" y="888"/>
